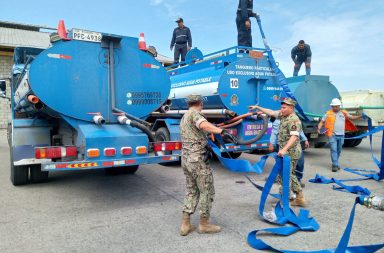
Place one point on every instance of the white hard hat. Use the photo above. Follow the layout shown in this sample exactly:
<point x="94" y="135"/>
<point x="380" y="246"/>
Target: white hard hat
<point x="335" y="102"/>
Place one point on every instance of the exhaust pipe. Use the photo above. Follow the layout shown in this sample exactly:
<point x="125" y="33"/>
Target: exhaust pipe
<point x="165" y="108"/>
<point x="33" y="99"/>
<point x="98" y="119"/>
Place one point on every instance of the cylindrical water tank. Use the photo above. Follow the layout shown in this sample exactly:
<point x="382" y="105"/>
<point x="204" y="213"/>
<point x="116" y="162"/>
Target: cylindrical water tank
<point x="72" y="79"/>
<point x="231" y="83"/>
<point x="236" y="81"/>
<point x="314" y="93"/>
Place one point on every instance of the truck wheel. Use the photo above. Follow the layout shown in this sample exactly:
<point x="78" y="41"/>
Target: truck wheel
<point x="348" y="143"/>
<point x="130" y="169"/>
<point x="320" y="144"/>
<point x="234" y="155"/>
<point x="353" y="142"/>
<point x="111" y="171"/>
<point x="19" y="174"/>
<point x="121" y="170"/>
<point x="38" y="176"/>
<point x="162" y="134"/>
<point x="357" y="142"/>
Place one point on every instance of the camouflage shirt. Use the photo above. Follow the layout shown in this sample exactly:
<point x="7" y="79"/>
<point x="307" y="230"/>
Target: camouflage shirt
<point x="290" y="125"/>
<point x="194" y="140"/>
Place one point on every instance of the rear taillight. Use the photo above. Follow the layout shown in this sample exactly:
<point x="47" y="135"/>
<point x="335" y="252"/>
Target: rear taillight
<point x="55" y="152"/>
<point x="93" y="152"/>
<point x="141" y="150"/>
<point x="126" y="151"/>
<point x="167" y="146"/>
<point x="109" y="152"/>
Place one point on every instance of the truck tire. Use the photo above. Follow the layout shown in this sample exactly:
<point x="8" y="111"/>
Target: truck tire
<point x="130" y="170"/>
<point x="38" y="176"/>
<point x="234" y="155"/>
<point x="320" y="144"/>
<point x="357" y="142"/>
<point x="162" y="134"/>
<point x="19" y="174"/>
<point x="349" y="143"/>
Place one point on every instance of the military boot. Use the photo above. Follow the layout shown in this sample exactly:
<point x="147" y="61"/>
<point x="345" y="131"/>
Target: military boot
<point x="206" y="228"/>
<point x="186" y="226"/>
<point x="299" y="200"/>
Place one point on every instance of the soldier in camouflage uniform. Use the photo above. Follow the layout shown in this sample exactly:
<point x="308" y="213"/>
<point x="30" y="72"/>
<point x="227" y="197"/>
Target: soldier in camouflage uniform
<point x="289" y="143"/>
<point x="199" y="178"/>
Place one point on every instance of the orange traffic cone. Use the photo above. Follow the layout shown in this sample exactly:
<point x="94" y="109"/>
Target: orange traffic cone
<point x="62" y="31"/>
<point x="142" y="44"/>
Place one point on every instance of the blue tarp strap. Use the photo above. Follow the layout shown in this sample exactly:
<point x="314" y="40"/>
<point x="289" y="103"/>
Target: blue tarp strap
<point x="355" y="189"/>
<point x="283" y="214"/>
<point x="279" y="74"/>
<point x="369" y="174"/>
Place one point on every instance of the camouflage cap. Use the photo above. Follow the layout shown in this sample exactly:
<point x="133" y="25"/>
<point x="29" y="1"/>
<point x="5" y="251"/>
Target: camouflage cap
<point x="289" y="101"/>
<point x="194" y="98"/>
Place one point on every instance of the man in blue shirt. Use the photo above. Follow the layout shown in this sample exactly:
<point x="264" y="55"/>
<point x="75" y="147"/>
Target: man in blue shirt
<point x="273" y="146"/>
<point x="243" y="22"/>
<point x="300" y="54"/>
<point x="181" y="40"/>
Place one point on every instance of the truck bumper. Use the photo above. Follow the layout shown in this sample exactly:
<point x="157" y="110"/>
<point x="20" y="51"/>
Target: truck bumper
<point x="100" y="164"/>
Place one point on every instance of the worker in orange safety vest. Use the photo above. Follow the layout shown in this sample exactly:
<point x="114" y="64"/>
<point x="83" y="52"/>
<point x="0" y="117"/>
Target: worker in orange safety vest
<point x="336" y="122"/>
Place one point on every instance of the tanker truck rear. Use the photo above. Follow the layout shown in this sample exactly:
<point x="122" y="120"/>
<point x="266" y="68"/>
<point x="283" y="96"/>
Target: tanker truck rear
<point x="80" y="103"/>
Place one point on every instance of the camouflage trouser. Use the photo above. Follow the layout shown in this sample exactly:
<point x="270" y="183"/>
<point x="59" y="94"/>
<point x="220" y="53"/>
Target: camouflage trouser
<point x="199" y="184"/>
<point x="294" y="183"/>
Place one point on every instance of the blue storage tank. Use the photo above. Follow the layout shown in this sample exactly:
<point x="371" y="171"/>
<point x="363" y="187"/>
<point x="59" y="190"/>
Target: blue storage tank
<point x="235" y="81"/>
<point x="72" y="79"/>
<point x="232" y="82"/>
<point x="314" y="93"/>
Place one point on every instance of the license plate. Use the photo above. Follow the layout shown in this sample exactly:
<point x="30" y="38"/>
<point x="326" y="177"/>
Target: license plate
<point x="84" y="35"/>
<point x="314" y="135"/>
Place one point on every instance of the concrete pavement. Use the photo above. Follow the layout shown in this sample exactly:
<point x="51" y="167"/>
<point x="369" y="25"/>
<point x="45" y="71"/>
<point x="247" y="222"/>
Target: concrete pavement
<point x="88" y="211"/>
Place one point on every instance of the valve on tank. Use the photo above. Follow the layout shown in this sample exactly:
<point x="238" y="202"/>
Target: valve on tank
<point x="97" y="118"/>
<point x="166" y="106"/>
<point x="123" y="120"/>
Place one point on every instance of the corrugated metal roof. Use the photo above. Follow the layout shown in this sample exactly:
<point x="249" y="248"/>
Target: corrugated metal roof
<point x="164" y="59"/>
<point x="10" y="37"/>
<point x="24" y="26"/>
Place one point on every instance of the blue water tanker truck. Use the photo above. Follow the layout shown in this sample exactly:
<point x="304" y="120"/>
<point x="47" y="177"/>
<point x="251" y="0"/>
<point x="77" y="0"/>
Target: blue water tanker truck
<point x="80" y="104"/>
<point x="232" y="79"/>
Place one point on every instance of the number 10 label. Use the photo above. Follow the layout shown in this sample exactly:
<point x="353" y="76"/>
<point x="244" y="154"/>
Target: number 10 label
<point x="234" y="83"/>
